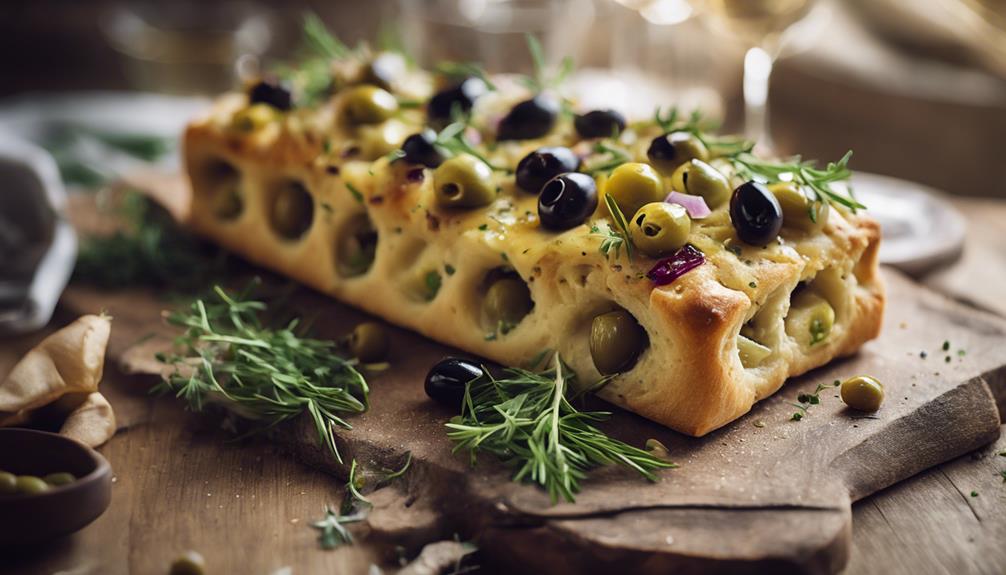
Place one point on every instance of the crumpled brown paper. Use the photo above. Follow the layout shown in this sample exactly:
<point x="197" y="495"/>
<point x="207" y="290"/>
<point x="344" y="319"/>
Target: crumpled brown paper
<point x="57" y="383"/>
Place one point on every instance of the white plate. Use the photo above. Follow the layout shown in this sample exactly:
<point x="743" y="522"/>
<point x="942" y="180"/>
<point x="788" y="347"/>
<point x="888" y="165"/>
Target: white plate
<point x="921" y="229"/>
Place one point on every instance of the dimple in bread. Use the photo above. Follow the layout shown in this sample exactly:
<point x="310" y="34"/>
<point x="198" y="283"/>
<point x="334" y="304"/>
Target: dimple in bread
<point x="371" y="233"/>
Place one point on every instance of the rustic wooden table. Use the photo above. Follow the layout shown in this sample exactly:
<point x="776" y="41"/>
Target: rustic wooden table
<point x="180" y="484"/>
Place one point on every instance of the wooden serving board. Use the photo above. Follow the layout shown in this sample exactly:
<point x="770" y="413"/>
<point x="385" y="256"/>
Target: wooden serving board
<point x="763" y="494"/>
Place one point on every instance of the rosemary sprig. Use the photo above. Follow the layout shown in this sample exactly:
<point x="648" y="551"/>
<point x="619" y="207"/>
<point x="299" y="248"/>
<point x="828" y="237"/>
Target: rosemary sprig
<point x="321" y="41"/>
<point x="804" y="173"/>
<point x="609" y="157"/>
<point x="332" y="532"/>
<point x="451" y="142"/>
<point x="542" y="80"/>
<point x="526" y="420"/>
<point x="150" y="250"/>
<point x="265" y="375"/>
<point x="311" y="74"/>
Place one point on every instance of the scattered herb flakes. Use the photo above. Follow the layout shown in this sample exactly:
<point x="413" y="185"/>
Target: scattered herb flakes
<point x="449" y="269"/>
<point x="491" y="336"/>
<point x="526" y="419"/>
<point x="808" y="399"/>
<point x="266" y="375"/>
<point x="974" y="494"/>
<point x="483" y="227"/>
<point x="1002" y="454"/>
<point x="505" y="257"/>
<point x="947" y="359"/>
<point x="759" y="423"/>
<point x="752" y="285"/>
<point x="923" y="354"/>
<point x="356" y="193"/>
<point x="946" y="345"/>
<point x="432" y="281"/>
<point x="961" y="353"/>
<point x="797" y="416"/>
<point x="1003" y="474"/>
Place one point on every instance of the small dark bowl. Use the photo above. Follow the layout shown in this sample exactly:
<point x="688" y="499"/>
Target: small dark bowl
<point x="26" y="519"/>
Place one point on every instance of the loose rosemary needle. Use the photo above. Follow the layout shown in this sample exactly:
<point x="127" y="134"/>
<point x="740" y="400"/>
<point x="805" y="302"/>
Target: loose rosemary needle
<point x="527" y="421"/>
<point x="228" y="357"/>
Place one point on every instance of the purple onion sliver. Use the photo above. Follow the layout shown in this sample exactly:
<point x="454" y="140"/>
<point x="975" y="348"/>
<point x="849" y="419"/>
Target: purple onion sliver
<point x="694" y="205"/>
<point x="683" y="261"/>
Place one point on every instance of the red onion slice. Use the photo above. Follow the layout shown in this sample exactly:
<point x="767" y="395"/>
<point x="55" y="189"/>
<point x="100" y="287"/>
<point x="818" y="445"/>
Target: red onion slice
<point x="683" y="261"/>
<point x="694" y="205"/>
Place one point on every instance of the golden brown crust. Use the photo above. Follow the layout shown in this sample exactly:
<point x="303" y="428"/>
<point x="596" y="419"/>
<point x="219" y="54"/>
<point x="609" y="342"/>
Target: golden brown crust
<point x="691" y="377"/>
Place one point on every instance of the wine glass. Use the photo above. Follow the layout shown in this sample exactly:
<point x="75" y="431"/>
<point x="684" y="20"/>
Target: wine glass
<point x="764" y="27"/>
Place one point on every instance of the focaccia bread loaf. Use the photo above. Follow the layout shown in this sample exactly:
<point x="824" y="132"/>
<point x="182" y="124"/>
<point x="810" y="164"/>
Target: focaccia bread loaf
<point x="309" y="194"/>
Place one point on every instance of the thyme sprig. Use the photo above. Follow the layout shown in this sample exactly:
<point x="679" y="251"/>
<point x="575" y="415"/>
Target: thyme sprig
<point x="526" y="420"/>
<point x="805" y="400"/>
<point x="265" y="375"/>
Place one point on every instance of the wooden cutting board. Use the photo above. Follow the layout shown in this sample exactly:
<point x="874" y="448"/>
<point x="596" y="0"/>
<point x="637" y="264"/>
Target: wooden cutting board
<point x="763" y="494"/>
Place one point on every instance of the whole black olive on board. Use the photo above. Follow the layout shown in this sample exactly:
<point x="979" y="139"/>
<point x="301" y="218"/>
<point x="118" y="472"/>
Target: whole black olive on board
<point x="755" y="213"/>
<point x="445" y="383"/>
<point x="461" y="97"/>
<point x="421" y="148"/>
<point x="599" y="124"/>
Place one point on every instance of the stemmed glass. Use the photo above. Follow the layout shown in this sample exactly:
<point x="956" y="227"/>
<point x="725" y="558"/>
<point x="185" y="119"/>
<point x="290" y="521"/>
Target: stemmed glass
<point x="764" y="26"/>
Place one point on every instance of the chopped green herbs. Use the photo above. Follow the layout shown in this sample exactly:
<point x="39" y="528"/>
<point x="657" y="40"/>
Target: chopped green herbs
<point x="808" y="399"/>
<point x="526" y="420"/>
<point x="355" y="192"/>
<point x="617" y="236"/>
<point x="974" y="494"/>
<point x="432" y="282"/>
<point x="449" y="269"/>
<point x="229" y="357"/>
<point x="818" y="331"/>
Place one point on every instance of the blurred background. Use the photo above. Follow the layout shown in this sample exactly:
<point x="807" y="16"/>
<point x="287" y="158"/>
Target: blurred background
<point x="916" y="87"/>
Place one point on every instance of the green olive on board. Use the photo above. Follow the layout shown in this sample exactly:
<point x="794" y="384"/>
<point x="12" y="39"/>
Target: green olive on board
<point x="633" y="185"/>
<point x="507" y="301"/>
<point x="464" y="181"/>
<point x="369" y="342"/>
<point x="698" y="178"/>
<point x="798" y="211"/>
<point x="616" y="340"/>
<point x="658" y="229"/>
<point x="254" y="117"/>
<point x="863" y="393"/>
<point x="188" y="563"/>
<point x="670" y="150"/>
<point x="368" y="104"/>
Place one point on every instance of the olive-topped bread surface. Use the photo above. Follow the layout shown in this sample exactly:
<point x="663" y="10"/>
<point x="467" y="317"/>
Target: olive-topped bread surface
<point x="686" y="275"/>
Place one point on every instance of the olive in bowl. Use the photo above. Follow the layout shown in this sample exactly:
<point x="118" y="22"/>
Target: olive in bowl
<point x="60" y="485"/>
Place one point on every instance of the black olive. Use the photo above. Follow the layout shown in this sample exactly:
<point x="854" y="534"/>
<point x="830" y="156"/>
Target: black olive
<point x="273" y="93"/>
<point x="599" y="124"/>
<point x="542" y="165"/>
<point x="567" y="200"/>
<point x="445" y="383"/>
<point x="755" y="213"/>
<point x="421" y="149"/>
<point x="461" y="97"/>
<point x="529" y="119"/>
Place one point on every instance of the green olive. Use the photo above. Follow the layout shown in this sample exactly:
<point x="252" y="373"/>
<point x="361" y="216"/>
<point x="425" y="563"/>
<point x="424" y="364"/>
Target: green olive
<point x="368" y="105"/>
<point x="751" y="352"/>
<point x="464" y="181"/>
<point x="863" y="393"/>
<point x="189" y="563"/>
<point x="227" y="201"/>
<point x="659" y="228"/>
<point x="369" y="342"/>
<point x="357" y="246"/>
<point x="58" y="479"/>
<point x="798" y="211"/>
<point x="616" y="340"/>
<point x="810" y="319"/>
<point x="292" y="211"/>
<point x="633" y="185"/>
<point x="30" y="485"/>
<point x="700" y="179"/>
<point x="8" y="483"/>
<point x="506" y="303"/>
<point x="378" y="140"/>
<point x="254" y="117"/>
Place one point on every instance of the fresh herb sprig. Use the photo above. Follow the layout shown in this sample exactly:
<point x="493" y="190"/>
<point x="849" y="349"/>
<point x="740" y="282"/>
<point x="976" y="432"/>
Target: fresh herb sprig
<point x="614" y="237"/>
<point x="526" y="420"/>
<point x="805" y="400"/>
<point x="311" y="74"/>
<point x="461" y="70"/>
<point x="150" y="249"/>
<point x="804" y="173"/>
<point x="266" y="375"/>
<point x="543" y="79"/>
<point x="332" y="532"/>
<point x="608" y="158"/>
<point x="451" y="141"/>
